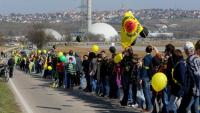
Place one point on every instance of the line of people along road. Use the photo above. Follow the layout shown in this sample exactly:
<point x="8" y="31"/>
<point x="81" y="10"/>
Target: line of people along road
<point x="100" y="74"/>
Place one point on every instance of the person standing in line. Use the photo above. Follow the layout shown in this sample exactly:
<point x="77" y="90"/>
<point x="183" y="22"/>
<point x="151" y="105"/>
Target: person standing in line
<point x="85" y="65"/>
<point x="61" y="72"/>
<point x="190" y="100"/>
<point x="145" y="76"/>
<point x="178" y="78"/>
<point x="11" y="64"/>
<point x="79" y="69"/>
<point x="127" y="68"/>
<point x="104" y="75"/>
<point x="92" y="70"/>
<point x="71" y="73"/>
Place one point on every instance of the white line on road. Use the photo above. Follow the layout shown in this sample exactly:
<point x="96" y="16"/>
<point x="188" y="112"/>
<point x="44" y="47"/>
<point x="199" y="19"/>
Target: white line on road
<point x="21" y="99"/>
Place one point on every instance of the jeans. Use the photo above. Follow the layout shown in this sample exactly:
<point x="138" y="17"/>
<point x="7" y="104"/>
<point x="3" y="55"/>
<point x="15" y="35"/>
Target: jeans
<point x="106" y="87"/>
<point x="133" y="92"/>
<point x="193" y="105"/>
<point x="147" y="93"/>
<point x="164" y="97"/>
<point x="94" y="84"/>
<point x="172" y="104"/>
<point x="189" y="103"/>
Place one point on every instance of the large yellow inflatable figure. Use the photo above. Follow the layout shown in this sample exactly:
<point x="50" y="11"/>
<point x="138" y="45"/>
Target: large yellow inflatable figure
<point x="130" y="29"/>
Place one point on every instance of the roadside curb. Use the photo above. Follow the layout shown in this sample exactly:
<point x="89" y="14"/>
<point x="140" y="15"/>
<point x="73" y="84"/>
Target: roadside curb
<point x="25" y="108"/>
<point x="24" y="105"/>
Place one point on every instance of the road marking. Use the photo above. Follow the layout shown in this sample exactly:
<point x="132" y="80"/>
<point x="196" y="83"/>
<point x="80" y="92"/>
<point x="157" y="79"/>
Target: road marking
<point x="21" y="99"/>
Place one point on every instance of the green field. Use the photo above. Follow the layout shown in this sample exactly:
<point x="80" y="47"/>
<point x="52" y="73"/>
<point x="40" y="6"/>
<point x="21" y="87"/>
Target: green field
<point x="7" y="101"/>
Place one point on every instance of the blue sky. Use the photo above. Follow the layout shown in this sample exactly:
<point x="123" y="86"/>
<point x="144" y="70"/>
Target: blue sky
<point x="33" y="6"/>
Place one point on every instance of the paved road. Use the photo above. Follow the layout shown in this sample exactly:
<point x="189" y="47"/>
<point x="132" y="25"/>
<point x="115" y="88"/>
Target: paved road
<point x="43" y="99"/>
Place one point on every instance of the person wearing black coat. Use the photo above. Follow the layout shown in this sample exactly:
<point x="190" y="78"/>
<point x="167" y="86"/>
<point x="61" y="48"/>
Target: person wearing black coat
<point x="127" y="67"/>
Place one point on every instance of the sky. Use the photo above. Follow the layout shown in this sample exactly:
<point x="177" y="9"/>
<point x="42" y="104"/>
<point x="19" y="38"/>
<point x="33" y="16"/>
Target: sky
<point x="40" y="6"/>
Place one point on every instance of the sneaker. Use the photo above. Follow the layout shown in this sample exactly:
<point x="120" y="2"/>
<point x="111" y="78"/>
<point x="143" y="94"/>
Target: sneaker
<point x="134" y="106"/>
<point x="129" y="105"/>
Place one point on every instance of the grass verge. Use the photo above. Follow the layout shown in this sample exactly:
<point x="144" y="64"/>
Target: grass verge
<point x="7" y="100"/>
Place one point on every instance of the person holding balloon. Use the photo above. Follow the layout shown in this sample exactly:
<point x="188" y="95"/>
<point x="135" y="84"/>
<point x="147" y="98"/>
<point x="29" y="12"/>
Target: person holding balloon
<point x="161" y="94"/>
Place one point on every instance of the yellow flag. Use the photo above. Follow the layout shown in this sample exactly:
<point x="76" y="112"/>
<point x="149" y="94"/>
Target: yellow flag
<point x="45" y="64"/>
<point x="130" y="29"/>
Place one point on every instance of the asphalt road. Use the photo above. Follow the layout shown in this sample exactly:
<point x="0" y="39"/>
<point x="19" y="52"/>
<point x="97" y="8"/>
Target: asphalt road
<point x="40" y="98"/>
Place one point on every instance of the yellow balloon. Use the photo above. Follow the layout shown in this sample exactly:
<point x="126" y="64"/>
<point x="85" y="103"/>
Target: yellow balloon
<point x="39" y="51"/>
<point x="95" y="48"/>
<point x="60" y="54"/>
<point x="45" y="51"/>
<point x="159" y="81"/>
<point x="118" y="58"/>
<point x="49" y="68"/>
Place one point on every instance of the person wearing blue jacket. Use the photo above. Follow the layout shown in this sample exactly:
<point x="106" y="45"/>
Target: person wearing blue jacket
<point x="145" y="76"/>
<point x="178" y="78"/>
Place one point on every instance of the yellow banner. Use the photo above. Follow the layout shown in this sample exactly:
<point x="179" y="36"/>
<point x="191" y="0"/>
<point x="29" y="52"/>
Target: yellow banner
<point x="130" y="29"/>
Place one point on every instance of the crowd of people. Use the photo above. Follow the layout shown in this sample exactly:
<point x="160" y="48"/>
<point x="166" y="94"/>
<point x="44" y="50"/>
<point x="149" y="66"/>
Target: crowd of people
<point x="132" y="74"/>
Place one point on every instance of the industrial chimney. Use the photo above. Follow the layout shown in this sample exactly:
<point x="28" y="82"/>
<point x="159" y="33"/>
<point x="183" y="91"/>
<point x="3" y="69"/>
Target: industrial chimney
<point x="89" y="14"/>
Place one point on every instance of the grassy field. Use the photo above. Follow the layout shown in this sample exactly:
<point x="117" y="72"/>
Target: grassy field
<point x="7" y="101"/>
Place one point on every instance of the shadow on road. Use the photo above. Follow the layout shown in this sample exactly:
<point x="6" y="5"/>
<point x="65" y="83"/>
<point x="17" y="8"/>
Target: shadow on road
<point x="100" y="104"/>
<point x="49" y="107"/>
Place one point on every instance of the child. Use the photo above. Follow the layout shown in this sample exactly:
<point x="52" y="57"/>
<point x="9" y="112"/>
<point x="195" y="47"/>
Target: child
<point x="60" y="71"/>
<point x="71" y="73"/>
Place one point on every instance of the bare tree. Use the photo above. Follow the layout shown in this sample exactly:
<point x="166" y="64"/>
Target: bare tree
<point x="37" y="36"/>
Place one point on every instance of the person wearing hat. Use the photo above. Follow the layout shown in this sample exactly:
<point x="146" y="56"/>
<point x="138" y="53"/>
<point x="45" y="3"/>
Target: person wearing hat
<point x="190" y="100"/>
